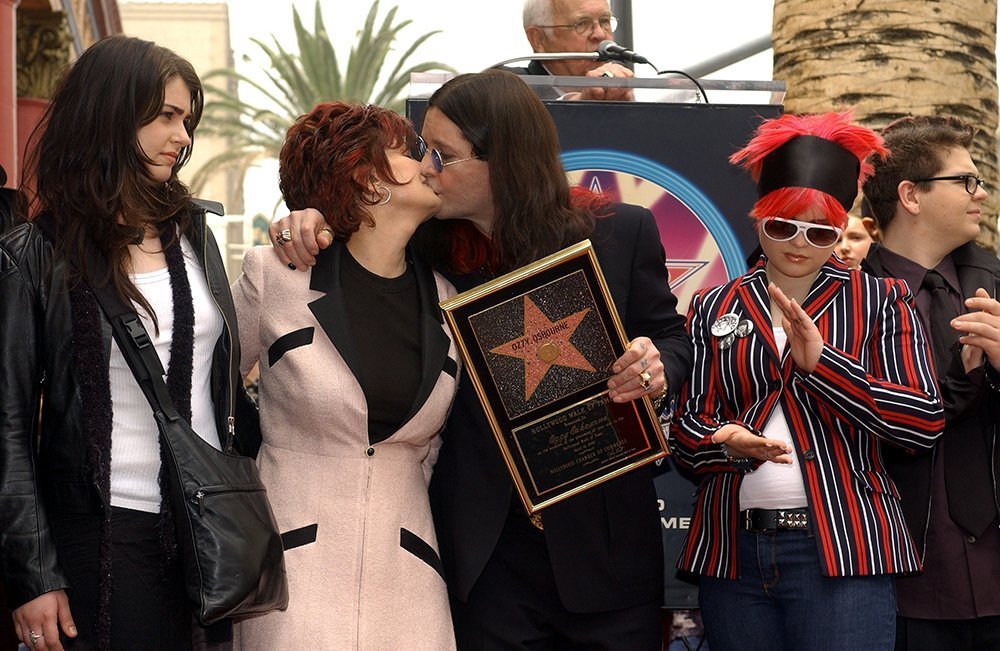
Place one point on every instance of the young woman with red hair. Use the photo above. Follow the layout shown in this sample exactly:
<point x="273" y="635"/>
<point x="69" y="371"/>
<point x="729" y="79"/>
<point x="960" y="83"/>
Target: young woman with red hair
<point x="803" y="370"/>
<point x="358" y="373"/>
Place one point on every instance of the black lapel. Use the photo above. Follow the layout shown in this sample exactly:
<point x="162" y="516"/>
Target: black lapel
<point x="872" y="263"/>
<point x="973" y="267"/>
<point x="434" y="343"/>
<point x="330" y="310"/>
<point x="466" y="391"/>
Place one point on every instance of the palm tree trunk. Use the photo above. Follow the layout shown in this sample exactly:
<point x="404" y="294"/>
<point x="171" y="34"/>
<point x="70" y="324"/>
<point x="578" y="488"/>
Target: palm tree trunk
<point x="889" y="58"/>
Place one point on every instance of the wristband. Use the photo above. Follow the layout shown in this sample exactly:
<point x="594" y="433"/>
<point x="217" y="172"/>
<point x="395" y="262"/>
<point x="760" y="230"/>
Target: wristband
<point x="729" y="455"/>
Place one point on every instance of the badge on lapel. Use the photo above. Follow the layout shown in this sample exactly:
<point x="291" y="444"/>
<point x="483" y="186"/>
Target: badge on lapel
<point x="728" y="327"/>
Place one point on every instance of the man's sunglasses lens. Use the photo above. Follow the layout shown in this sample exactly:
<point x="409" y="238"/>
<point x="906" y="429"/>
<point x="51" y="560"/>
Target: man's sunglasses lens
<point x="418" y="149"/>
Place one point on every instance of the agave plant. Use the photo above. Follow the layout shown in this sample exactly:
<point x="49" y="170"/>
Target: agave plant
<point x="295" y="82"/>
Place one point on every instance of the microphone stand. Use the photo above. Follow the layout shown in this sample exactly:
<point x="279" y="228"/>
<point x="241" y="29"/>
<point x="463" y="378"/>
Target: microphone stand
<point x="552" y="56"/>
<point x="594" y="56"/>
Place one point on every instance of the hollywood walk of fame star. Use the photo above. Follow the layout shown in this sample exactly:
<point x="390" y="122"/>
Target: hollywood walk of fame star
<point x="544" y="344"/>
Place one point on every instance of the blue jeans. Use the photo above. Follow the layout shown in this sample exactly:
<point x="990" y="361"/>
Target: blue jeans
<point x="783" y="602"/>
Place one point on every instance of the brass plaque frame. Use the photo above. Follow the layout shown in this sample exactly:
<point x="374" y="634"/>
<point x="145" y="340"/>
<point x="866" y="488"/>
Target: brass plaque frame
<point x="538" y="345"/>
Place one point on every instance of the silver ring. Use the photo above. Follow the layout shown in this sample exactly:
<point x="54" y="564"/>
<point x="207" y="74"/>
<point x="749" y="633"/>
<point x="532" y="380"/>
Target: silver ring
<point x="284" y="237"/>
<point x="33" y="636"/>
<point x="607" y="73"/>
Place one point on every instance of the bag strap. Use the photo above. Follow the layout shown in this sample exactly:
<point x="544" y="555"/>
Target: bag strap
<point x="133" y="341"/>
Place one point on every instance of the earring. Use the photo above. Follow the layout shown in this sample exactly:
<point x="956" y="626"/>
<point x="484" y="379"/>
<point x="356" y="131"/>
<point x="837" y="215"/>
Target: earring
<point x="388" y="194"/>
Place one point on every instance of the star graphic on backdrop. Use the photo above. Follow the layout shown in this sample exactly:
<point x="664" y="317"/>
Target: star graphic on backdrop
<point x="680" y="270"/>
<point x="544" y="344"/>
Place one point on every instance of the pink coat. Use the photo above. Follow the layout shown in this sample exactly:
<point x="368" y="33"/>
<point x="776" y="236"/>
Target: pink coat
<point x="372" y="577"/>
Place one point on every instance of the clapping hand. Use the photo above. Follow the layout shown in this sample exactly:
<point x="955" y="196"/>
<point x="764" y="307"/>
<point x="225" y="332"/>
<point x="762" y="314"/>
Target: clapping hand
<point x="804" y="339"/>
<point x="981" y="330"/>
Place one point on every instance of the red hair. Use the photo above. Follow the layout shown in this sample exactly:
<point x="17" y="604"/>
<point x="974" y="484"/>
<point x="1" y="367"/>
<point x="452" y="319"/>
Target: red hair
<point x="790" y="202"/>
<point x="470" y="249"/>
<point x="333" y="155"/>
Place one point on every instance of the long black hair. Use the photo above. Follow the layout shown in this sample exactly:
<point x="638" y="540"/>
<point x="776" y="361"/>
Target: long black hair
<point x="508" y="126"/>
<point x="89" y="172"/>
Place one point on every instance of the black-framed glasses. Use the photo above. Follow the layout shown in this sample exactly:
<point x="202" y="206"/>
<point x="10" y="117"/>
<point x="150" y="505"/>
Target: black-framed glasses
<point x="419" y="149"/>
<point x="972" y="182"/>
<point x="586" y="26"/>
<point x="780" y="229"/>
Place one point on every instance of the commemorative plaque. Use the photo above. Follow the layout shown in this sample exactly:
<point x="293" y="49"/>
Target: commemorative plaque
<point x="538" y="344"/>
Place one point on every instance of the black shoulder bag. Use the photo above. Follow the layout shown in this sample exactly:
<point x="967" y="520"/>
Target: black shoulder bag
<point x="230" y="547"/>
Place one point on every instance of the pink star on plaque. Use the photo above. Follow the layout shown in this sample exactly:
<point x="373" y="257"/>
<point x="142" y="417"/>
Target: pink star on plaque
<point x="544" y="344"/>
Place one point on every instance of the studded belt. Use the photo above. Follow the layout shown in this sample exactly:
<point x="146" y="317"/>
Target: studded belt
<point x="774" y="519"/>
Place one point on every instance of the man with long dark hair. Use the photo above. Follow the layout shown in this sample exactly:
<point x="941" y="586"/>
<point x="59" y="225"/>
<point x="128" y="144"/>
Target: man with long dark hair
<point x="590" y="574"/>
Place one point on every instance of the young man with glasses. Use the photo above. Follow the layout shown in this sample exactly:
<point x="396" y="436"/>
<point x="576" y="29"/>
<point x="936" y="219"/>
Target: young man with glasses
<point x="804" y="371"/>
<point x="573" y="26"/>
<point x="927" y="198"/>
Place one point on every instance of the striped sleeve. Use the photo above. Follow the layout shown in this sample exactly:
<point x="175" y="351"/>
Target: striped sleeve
<point x="896" y="396"/>
<point x="701" y="408"/>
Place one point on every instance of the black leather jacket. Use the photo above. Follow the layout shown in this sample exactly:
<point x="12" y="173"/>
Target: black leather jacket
<point x="40" y="394"/>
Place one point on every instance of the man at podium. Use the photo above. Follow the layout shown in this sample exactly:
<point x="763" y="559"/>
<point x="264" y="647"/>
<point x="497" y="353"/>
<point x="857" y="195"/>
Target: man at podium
<point x="572" y="26"/>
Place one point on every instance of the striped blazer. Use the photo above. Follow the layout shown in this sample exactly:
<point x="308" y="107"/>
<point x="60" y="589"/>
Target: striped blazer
<point x="874" y="385"/>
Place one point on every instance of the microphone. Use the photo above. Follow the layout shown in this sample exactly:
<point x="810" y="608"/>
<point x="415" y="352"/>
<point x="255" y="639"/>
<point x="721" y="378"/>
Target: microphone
<point x="611" y="51"/>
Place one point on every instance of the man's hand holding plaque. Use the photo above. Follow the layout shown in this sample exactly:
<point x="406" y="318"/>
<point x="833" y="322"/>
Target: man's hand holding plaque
<point x="637" y="373"/>
<point x="546" y="352"/>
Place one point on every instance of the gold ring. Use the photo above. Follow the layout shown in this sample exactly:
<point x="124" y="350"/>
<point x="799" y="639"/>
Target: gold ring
<point x="328" y="231"/>
<point x="644" y="379"/>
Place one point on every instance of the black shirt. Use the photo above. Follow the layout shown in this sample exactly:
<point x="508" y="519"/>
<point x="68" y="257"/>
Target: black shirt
<point x="384" y="316"/>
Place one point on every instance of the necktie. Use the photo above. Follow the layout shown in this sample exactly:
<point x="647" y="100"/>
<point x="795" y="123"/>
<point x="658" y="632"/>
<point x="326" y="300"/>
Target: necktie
<point x="942" y="311"/>
<point x="967" y="478"/>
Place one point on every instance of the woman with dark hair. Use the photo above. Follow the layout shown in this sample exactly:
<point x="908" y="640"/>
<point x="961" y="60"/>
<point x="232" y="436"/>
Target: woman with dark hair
<point x="589" y="570"/>
<point x="86" y="538"/>
<point x="803" y="371"/>
<point x="358" y="373"/>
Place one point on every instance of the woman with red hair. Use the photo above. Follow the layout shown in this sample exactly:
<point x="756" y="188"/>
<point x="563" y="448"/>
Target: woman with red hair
<point x="803" y="370"/>
<point x="358" y="373"/>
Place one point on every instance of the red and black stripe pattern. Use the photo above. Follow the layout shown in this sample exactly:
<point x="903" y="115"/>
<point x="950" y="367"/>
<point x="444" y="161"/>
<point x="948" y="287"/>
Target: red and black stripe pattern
<point x="874" y="385"/>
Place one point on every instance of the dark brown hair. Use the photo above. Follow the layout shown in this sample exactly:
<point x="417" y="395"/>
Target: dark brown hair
<point x="88" y="169"/>
<point x="916" y="145"/>
<point x="331" y="157"/>
<point x="508" y="126"/>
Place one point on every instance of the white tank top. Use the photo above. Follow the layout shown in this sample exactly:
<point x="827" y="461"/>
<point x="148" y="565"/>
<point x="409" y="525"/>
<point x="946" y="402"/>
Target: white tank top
<point x="775" y="485"/>
<point x="135" y="447"/>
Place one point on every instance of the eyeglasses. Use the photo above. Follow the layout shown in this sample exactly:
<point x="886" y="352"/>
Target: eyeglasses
<point x="419" y="149"/>
<point x="585" y="26"/>
<point x="782" y="230"/>
<point x="972" y="182"/>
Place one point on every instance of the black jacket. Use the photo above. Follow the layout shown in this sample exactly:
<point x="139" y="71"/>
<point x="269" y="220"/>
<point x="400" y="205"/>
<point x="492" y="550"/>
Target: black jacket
<point x="43" y="453"/>
<point x="971" y="401"/>
<point x="604" y="544"/>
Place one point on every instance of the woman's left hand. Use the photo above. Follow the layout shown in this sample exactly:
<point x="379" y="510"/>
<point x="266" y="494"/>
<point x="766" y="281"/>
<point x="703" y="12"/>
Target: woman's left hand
<point x="638" y="372"/>
<point x="804" y="339"/>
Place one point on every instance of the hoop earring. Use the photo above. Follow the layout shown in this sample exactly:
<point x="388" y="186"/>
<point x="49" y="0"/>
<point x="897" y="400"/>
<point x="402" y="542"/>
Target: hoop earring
<point x="388" y="194"/>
